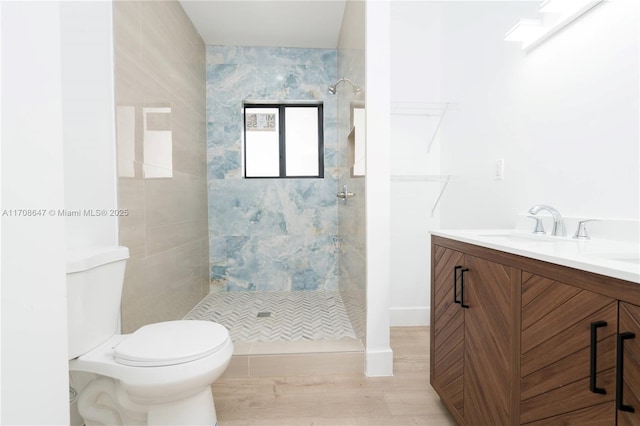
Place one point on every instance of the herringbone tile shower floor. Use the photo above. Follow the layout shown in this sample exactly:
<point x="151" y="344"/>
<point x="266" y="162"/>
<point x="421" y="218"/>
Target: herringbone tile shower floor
<point x="299" y="315"/>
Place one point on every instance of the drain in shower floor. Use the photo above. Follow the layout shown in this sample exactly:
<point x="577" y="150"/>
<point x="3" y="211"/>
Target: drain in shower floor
<point x="264" y="314"/>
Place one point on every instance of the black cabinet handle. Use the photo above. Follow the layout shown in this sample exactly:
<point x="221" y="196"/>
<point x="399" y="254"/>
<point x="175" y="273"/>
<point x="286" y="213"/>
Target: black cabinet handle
<point x="462" y="271"/>
<point x="620" y="370"/>
<point x="455" y="284"/>
<point x="594" y="353"/>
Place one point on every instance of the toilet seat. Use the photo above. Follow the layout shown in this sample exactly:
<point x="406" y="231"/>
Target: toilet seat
<point x="170" y="343"/>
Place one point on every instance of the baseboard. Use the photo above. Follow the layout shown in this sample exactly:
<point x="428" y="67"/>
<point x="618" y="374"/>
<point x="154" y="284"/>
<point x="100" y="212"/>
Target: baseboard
<point x="296" y="358"/>
<point x="379" y="363"/>
<point x="405" y="317"/>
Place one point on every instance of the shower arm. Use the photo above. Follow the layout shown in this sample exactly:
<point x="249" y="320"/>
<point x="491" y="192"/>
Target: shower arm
<point x="334" y="87"/>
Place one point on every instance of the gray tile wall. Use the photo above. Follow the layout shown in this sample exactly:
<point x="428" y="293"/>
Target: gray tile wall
<point x="160" y="63"/>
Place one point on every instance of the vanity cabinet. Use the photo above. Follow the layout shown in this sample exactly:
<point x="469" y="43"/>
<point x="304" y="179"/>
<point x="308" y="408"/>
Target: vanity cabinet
<point x="567" y="388"/>
<point x="628" y="367"/>
<point x="520" y="341"/>
<point x="447" y="332"/>
<point x="471" y="336"/>
<point x="562" y="328"/>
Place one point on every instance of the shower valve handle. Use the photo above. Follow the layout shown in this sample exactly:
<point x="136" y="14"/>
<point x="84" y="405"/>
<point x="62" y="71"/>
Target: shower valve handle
<point x="345" y="194"/>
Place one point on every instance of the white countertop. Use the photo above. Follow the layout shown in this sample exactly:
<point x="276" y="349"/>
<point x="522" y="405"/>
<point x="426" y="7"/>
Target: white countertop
<point x="617" y="259"/>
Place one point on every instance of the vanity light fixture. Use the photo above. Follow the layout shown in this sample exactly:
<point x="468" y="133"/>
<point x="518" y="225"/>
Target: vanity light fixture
<point x="525" y="31"/>
<point x="557" y="14"/>
<point x="567" y="7"/>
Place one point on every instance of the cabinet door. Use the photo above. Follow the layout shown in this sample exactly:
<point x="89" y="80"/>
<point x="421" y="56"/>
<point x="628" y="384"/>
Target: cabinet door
<point x="556" y="350"/>
<point x="597" y="415"/>
<point x="447" y="333"/>
<point x="630" y="374"/>
<point x="487" y="347"/>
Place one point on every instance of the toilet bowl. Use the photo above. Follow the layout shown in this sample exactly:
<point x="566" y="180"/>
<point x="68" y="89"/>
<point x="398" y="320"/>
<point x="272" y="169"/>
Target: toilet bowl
<point x="160" y="370"/>
<point x="161" y="374"/>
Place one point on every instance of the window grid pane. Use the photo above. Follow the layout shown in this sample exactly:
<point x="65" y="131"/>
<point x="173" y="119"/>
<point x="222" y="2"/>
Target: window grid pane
<point x="283" y="140"/>
<point x="301" y="137"/>
<point x="262" y="142"/>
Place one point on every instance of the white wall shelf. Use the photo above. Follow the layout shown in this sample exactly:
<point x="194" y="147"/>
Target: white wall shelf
<point x="357" y="141"/>
<point x="419" y="178"/>
<point x="444" y="179"/>
<point x="422" y="108"/>
<point x="433" y="109"/>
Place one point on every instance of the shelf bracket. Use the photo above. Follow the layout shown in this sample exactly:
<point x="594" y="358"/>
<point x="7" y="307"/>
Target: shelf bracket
<point x="435" y="204"/>
<point x="435" y="132"/>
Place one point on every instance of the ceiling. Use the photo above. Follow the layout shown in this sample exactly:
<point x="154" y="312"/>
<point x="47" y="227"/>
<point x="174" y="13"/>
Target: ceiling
<point x="282" y="23"/>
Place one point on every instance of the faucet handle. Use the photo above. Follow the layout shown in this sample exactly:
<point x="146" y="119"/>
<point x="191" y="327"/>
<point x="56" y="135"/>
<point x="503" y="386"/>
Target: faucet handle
<point x="539" y="229"/>
<point x="581" y="232"/>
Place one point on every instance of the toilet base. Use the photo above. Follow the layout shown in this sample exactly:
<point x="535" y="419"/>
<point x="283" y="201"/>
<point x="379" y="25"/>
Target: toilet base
<point x="195" y="410"/>
<point x="104" y="401"/>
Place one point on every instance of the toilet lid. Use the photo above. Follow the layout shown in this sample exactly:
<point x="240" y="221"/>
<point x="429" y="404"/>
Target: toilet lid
<point x="170" y="343"/>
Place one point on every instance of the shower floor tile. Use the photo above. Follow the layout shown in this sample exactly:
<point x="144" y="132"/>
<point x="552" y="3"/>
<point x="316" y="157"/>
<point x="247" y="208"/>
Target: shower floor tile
<point x="253" y="316"/>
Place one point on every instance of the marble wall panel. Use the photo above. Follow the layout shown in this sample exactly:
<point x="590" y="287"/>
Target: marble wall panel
<point x="352" y="215"/>
<point x="269" y="234"/>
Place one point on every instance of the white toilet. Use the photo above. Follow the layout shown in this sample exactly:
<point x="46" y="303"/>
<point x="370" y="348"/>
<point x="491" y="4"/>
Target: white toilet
<point x="159" y="375"/>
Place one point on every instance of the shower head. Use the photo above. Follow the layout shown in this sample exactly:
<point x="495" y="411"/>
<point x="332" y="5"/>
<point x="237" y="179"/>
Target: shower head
<point x="334" y="87"/>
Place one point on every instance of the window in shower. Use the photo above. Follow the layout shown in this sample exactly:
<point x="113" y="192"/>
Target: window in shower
<point x="283" y="140"/>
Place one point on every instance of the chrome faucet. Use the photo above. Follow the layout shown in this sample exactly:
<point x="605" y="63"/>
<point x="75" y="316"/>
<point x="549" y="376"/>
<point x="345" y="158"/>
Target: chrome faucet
<point x="558" y="223"/>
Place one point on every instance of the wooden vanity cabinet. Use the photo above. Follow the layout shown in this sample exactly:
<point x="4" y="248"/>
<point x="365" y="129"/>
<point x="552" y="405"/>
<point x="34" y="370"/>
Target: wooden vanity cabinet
<point x="447" y="332"/>
<point x="628" y="371"/>
<point x="536" y="344"/>
<point x="580" y="360"/>
<point x="562" y="327"/>
<point x="471" y="337"/>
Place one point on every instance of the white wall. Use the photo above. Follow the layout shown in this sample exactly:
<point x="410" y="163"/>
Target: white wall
<point x="379" y="356"/>
<point x="88" y="108"/>
<point x="34" y="331"/>
<point x="58" y="153"/>
<point x="563" y="116"/>
<point x="416" y="46"/>
<point x="416" y="76"/>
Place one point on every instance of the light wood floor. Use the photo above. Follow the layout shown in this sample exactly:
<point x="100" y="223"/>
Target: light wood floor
<point x="338" y="400"/>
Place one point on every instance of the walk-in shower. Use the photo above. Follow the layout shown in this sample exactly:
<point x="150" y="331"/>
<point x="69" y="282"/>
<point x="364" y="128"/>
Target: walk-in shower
<point x="276" y="244"/>
<point x="276" y="259"/>
<point x="277" y="316"/>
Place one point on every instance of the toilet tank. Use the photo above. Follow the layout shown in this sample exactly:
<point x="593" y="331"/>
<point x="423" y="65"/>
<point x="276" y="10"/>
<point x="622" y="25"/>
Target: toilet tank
<point x="95" y="277"/>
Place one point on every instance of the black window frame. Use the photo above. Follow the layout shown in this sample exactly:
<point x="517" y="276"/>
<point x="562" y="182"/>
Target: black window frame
<point x="281" y="106"/>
